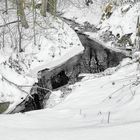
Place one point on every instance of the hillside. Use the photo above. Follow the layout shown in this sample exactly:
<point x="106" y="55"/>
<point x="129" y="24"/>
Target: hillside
<point x="100" y="104"/>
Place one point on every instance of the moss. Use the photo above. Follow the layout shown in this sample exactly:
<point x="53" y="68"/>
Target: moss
<point x="4" y="106"/>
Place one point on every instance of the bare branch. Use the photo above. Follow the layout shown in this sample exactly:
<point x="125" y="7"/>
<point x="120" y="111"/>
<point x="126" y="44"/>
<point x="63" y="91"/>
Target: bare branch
<point x="10" y="23"/>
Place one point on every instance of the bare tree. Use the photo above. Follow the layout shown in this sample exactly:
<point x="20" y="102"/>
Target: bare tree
<point x="21" y="13"/>
<point x="44" y="7"/>
<point x="6" y="7"/>
<point x="20" y="37"/>
<point x="21" y="18"/>
<point x="137" y="40"/>
<point x="34" y="20"/>
<point x="51" y="7"/>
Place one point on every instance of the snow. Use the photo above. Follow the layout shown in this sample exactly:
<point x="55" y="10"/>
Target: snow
<point x="118" y="132"/>
<point x="123" y="23"/>
<point x="78" y="11"/>
<point x="90" y="133"/>
<point x="10" y="92"/>
<point x="102" y="106"/>
<point x="54" y="40"/>
<point x="55" y="62"/>
<point x="54" y="43"/>
<point x="84" y="112"/>
<point x="62" y="44"/>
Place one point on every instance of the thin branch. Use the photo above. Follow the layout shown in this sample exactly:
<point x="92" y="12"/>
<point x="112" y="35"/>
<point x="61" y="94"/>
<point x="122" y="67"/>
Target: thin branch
<point x="10" y="23"/>
<point x="35" y="87"/>
<point x="17" y="86"/>
<point x="21" y="86"/>
<point x="110" y="96"/>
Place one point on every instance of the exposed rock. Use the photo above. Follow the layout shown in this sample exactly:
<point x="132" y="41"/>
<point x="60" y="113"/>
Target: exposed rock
<point x="108" y="36"/>
<point x="125" y="39"/>
<point x="4" y="106"/>
<point x="59" y="80"/>
<point x="95" y="58"/>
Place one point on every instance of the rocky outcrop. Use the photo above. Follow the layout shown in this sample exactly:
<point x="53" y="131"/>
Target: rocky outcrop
<point x="95" y="58"/>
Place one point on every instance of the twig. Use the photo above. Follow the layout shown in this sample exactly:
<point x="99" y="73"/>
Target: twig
<point x="108" y="120"/>
<point x="35" y="87"/>
<point x="110" y="96"/>
<point x="17" y="86"/>
<point x="126" y="78"/>
<point x="10" y="23"/>
<point x="21" y="86"/>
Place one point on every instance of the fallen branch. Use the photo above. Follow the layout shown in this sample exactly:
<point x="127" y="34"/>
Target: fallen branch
<point x="110" y="96"/>
<point x="21" y="86"/>
<point x="17" y="86"/>
<point x="35" y="87"/>
<point x="9" y="23"/>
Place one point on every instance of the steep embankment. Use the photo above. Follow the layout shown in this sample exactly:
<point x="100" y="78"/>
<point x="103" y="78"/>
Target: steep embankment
<point x="95" y="58"/>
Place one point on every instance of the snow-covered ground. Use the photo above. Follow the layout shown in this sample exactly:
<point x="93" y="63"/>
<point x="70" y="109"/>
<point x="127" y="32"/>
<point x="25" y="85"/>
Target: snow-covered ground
<point x="122" y="21"/>
<point x="79" y="12"/>
<point x="101" y="106"/>
<point x="19" y="127"/>
<point x="53" y="43"/>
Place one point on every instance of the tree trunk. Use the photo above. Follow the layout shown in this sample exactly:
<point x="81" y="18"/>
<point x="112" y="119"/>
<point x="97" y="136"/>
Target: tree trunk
<point x="44" y="8"/>
<point x="21" y="13"/>
<point x="6" y="7"/>
<point x="20" y="37"/>
<point x="51" y="8"/>
<point x="34" y="20"/>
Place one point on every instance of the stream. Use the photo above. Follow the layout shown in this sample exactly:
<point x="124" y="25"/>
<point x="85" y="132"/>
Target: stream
<point x="95" y="58"/>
